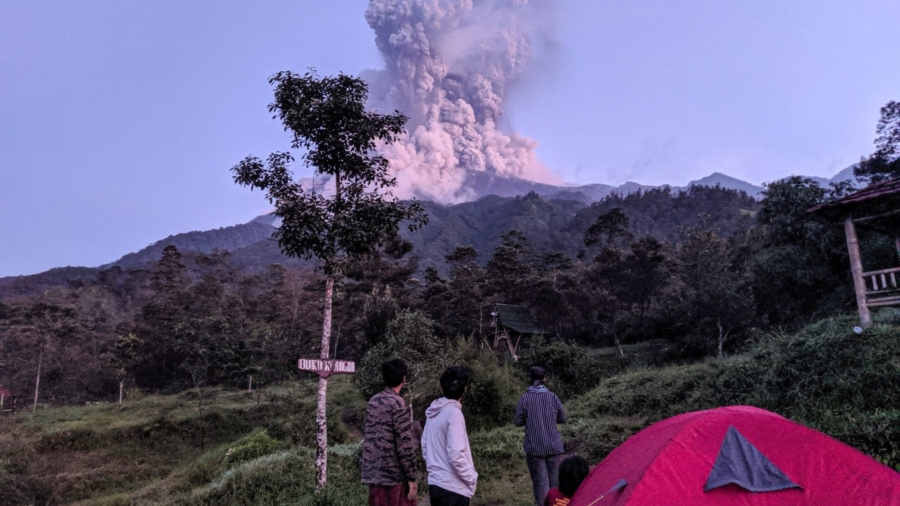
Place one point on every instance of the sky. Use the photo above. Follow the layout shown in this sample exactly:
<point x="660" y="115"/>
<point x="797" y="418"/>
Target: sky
<point x="119" y="121"/>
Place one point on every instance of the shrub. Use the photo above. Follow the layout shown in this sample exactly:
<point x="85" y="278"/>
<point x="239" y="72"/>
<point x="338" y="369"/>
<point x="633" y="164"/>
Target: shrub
<point x="410" y="337"/>
<point x="493" y="392"/>
<point x="572" y="370"/>
<point x="285" y="477"/>
<point x="250" y="447"/>
<point x="824" y="376"/>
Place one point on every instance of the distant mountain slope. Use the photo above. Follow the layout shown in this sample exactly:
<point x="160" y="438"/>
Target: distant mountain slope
<point x="482" y="222"/>
<point x="732" y="183"/>
<point x="12" y="286"/>
<point x="225" y="238"/>
<point x="503" y="204"/>
<point x="479" y="185"/>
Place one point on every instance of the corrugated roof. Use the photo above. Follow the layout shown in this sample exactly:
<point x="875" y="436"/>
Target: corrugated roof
<point x="868" y="195"/>
<point x="517" y="318"/>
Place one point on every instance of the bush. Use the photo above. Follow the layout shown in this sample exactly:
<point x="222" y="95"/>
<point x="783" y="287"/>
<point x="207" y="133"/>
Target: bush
<point x="572" y="370"/>
<point x="410" y="337"/>
<point x="493" y="392"/>
<point x="250" y="447"/>
<point x="285" y="477"/>
<point x="594" y="438"/>
<point x="824" y="376"/>
<point x="297" y="421"/>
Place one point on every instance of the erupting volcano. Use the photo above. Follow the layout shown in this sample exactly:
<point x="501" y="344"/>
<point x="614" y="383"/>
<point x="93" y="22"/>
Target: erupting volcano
<point x="449" y="65"/>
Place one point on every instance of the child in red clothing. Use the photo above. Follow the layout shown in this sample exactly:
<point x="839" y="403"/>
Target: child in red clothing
<point x="572" y="472"/>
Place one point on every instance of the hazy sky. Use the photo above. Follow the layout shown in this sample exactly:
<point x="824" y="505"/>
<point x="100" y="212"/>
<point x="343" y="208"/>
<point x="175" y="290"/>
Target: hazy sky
<point x="119" y="121"/>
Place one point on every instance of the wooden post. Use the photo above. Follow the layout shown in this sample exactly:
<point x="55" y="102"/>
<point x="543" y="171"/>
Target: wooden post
<point x="856" y="268"/>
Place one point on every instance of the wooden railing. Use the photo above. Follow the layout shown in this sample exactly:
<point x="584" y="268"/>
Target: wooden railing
<point x="882" y="282"/>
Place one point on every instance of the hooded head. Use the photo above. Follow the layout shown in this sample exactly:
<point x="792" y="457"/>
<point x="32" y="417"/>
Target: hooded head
<point x="537" y="375"/>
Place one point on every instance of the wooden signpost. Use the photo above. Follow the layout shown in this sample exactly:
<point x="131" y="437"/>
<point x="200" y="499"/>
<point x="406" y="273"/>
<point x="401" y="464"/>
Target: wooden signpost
<point x="324" y="368"/>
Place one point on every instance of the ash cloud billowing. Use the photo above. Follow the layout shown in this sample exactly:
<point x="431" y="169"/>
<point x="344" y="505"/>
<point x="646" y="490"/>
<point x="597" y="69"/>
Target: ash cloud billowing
<point x="449" y="64"/>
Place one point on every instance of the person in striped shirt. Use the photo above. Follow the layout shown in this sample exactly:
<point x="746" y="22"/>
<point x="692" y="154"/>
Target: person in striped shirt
<point x="539" y="411"/>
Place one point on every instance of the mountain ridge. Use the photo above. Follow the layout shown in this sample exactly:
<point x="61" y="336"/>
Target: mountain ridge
<point x="247" y="242"/>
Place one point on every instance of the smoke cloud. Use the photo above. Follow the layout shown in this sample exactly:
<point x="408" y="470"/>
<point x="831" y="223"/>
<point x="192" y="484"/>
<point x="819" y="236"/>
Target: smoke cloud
<point x="449" y="64"/>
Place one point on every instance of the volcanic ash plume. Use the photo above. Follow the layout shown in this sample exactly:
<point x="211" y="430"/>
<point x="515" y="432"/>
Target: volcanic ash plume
<point x="449" y="64"/>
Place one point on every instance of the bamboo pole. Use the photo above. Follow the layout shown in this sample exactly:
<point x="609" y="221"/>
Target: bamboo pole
<point x="856" y="268"/>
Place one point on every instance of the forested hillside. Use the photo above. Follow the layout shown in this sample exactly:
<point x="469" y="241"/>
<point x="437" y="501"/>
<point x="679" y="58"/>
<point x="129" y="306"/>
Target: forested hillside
<point x="699" y="269"/>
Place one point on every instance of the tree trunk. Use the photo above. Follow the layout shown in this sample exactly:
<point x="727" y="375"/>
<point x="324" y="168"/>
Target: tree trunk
<point x="481" y="326"/>
<point x="616" y="334"/>
<point x="337" y="339"/>
<point x="37" y="381"/>
<point x="250" y="385"/>
<point x="721" y="336"/>
<point x="121" y="389"/>
<point x="321" y="420"/>
<point x="200" y="409"/>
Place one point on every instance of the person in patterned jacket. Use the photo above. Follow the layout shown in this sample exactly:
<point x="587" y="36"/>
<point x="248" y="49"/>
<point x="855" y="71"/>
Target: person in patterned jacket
<point x="388" y="462"/>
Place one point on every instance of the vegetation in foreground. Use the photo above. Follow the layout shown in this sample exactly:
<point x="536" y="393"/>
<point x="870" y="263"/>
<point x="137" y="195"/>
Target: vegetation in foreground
<point x="258" y="449"/>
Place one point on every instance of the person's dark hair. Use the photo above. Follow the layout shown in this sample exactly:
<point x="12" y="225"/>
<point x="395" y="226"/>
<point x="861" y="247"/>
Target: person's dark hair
<point x="572" y="472"/>
<point x="454" y="382"/>
<point x="537" y="374"/>
<point x="393" y="371"/>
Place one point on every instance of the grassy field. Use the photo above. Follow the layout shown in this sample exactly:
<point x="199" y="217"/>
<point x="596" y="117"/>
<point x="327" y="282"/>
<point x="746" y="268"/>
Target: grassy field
<point x="235" y="448"/>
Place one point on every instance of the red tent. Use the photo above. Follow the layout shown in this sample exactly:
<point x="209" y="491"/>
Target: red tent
<point x="738" y="455"/>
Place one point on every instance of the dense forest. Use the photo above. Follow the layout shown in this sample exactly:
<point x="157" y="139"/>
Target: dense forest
<point x="703" y="270"/>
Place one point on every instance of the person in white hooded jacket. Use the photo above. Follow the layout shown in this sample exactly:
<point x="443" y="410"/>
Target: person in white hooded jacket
<point x="445" y="444"/>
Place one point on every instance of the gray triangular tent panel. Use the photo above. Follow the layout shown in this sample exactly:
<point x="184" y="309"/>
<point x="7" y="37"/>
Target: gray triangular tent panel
<point x="740" y="463"/>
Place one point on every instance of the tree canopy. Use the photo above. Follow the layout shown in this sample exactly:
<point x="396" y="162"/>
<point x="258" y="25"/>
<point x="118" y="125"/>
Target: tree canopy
<point x="884" y="163"/>
<point x="326" y="117"/>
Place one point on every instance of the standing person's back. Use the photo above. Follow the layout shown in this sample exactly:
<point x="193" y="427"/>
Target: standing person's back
<point x="445" y="444"/>
<point x="388" y="461"/>
<point x="539" y="410"/>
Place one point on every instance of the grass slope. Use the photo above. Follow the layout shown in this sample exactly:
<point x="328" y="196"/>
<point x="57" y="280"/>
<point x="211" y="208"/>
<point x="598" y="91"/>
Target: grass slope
<point x="258" y="450"/>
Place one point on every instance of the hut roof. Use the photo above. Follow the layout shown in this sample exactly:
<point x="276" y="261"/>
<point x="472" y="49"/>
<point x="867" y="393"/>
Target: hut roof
<point x="874" y="198"/>
<point x="517" y="318"/>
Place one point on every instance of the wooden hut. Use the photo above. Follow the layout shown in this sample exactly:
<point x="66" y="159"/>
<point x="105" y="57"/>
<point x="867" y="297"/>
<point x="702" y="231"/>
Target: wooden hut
<point x="875" y="207"/>
<point x="510" y="324"/>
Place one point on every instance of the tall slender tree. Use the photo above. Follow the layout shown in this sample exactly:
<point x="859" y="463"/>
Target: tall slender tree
<point x="51" y="322"/>
<point x="327" y="118"/>
<point x="884" y="163"/>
